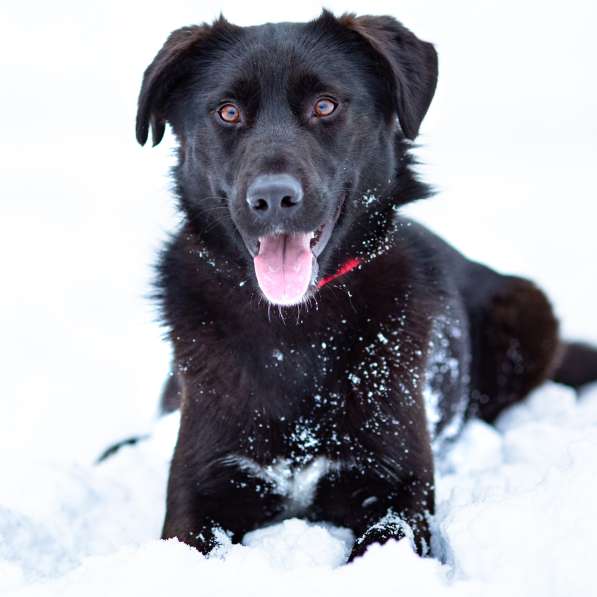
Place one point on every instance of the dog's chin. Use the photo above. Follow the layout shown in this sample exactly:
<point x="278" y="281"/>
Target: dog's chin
<point x="286" y="264"/>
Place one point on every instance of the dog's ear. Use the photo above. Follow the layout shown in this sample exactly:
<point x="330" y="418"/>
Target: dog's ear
<point x="412" y="62"/>
<point x="171" y="66"/>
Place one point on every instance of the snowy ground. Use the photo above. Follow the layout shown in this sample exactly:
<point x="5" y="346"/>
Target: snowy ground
<point x="517" y="515"/>
<point x="510" y="142"/>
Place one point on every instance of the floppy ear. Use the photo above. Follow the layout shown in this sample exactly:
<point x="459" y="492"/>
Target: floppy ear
<point x="412" y="62"/>
<point x="171" y="65"/>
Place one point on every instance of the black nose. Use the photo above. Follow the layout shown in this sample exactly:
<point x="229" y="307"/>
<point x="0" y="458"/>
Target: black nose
<point x="274" y="195"/>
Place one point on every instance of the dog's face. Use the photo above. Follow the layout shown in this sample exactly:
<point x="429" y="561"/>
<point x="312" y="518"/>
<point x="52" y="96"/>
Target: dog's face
<point x="291" y="137"/>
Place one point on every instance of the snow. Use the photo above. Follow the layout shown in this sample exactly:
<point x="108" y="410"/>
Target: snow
<point x="517" y="513"/>
<point x="510" y="142"/>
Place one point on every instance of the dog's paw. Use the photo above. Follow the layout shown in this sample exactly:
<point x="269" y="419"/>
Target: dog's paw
<point x="389" y="527"/>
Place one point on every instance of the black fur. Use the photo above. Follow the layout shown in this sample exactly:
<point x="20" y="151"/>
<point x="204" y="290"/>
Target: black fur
<point x="343" y="376"/>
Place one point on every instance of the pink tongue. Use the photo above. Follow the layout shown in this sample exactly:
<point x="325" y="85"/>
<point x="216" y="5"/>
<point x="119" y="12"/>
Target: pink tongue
<point x="283" y="267"/>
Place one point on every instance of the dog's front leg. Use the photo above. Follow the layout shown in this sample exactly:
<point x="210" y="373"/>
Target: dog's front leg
<point x="404" y="515"/>
<point x="386" y="489"/>
<point x="378" y="504"/>
<point x="213" y="497"/>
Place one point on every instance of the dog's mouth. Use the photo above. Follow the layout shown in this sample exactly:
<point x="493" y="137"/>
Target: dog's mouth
<point x="286" y="263"/>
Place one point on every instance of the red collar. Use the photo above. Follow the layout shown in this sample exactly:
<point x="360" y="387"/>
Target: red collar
<point x="346" y="267"/>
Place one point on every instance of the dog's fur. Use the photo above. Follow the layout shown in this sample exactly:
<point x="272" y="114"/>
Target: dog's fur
<point x="336" y="387"/>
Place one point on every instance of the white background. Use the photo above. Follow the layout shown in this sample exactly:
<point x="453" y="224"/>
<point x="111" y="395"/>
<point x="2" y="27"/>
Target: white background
<point x="510" y="142"/>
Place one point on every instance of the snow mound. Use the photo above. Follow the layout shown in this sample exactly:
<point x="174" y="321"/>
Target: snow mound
<point x="516" y="515"/>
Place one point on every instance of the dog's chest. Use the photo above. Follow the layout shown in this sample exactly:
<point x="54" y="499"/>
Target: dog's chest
<point x="296" y="483"/>
<point x="318" y="430"/>
<point x="289" y="457"/>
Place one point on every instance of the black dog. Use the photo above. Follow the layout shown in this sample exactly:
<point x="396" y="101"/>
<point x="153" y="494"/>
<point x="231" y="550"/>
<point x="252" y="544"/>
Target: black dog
<point x="323" y="344"/>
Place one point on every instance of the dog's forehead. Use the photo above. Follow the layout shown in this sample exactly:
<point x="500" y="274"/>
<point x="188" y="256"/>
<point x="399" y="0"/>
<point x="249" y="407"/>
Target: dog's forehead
<point x="276" y="54"/>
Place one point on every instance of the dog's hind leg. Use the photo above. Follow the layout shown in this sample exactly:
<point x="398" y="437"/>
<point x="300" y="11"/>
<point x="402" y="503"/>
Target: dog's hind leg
<point x="169" y="402"/>
<point x="515" y="343"/>
<point x="114" y="448"/>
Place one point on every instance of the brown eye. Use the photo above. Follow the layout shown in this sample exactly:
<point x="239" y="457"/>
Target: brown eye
<point x="229" y="113"/>
<point x="324" y="107"/>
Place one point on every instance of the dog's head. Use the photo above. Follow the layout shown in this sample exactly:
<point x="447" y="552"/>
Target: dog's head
<point x="293" y="138"/>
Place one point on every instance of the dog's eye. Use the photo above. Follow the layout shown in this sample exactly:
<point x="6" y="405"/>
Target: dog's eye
<point x="324" y="106"/>
<point x="229" y="113"/>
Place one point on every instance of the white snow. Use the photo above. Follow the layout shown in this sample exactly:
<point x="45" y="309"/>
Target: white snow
<point x="511" y="143"/>
<point x="517" y="515"/>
